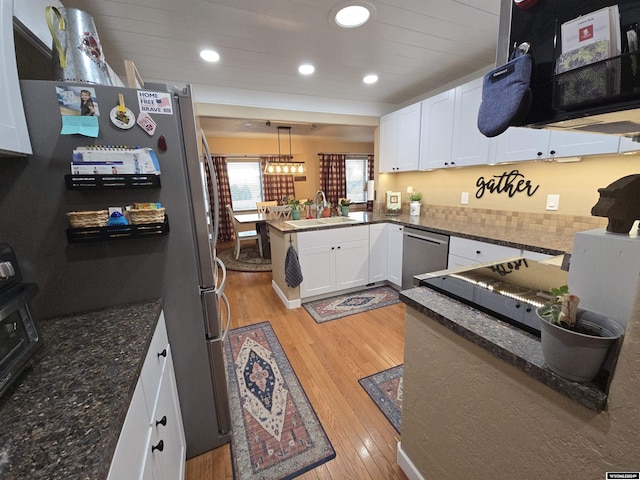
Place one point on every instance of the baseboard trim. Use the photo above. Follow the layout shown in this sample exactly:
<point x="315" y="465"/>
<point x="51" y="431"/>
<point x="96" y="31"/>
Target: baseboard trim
<point x="290" y="304"/>
<point x="407" y="465"/>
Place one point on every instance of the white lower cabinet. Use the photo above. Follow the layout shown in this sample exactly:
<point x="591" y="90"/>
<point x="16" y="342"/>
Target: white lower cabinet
<point x="394" y="254"/>
<point x="463" y="252"/>
<point x="152" y="444"/>
<point x="333" y="259"/>
<point x="378" y="252"/>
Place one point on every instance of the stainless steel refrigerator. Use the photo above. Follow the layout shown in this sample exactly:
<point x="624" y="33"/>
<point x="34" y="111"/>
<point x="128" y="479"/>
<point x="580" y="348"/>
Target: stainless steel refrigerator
<point x="181" y="266"/>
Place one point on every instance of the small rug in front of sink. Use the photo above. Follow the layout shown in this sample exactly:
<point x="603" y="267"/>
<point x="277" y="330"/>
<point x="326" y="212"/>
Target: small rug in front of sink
<point x="276" y="432"/>
<point x="351" y="303"/>
<point x="385" y="389"/>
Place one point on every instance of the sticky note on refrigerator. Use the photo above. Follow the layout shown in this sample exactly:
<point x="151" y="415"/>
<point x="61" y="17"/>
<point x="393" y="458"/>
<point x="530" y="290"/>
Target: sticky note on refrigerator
<point x="83" y="125"/>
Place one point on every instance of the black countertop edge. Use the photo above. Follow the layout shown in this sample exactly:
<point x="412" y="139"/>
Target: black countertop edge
<point x="368" y="218"/>
<point x="62" y="418"/>
<point x="502" y="340"/>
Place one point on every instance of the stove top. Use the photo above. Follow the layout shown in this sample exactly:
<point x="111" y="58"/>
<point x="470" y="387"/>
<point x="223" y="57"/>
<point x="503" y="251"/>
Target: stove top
<point x="510" y="289"/>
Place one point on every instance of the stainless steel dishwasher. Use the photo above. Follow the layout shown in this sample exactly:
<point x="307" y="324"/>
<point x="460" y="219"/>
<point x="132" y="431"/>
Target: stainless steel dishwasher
<point x="422" y="252"/>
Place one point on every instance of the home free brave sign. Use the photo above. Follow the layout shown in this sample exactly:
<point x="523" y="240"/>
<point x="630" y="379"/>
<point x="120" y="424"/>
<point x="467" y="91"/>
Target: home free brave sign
<point x="509" y="182"/>
<point x="155" y="102"/>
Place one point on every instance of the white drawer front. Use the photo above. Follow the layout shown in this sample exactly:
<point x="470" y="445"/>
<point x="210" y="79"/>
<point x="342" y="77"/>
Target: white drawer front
<point x="154" y="364"/>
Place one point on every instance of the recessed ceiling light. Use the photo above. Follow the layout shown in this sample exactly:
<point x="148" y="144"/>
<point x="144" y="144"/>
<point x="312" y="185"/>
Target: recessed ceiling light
<point x="209" y="55"/>
<point x="306" y="69"/>
<point x="373" y="78"/>
<point x="352" y="14"/>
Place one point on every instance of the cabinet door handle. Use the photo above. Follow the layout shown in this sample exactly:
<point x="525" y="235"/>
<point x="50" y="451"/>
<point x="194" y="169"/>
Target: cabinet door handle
<point x="478" y="252"/>
<point x="338" y="248"/>
<point x="539" y="154"/>
<point x="162" y="421"/>
<point x="158" y="447"/>
<point x="552" y="152"/>
<point x="333" y="248"/>
<point x="163" y="353"/>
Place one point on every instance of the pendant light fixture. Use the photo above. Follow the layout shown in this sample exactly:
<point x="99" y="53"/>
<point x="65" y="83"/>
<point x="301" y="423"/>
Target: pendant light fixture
<point x="285" y="164"/>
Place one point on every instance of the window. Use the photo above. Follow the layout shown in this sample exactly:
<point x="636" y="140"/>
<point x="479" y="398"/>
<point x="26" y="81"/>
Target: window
<point x="356" y="173"/>
<point x="245" y="182"/>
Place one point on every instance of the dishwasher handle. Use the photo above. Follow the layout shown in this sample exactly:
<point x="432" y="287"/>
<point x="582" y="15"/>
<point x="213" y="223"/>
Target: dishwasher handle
<point x="424" y="238"/>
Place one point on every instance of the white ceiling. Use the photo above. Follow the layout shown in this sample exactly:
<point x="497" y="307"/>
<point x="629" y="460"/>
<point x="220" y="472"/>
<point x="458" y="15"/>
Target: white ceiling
<point x="414" y="46"/>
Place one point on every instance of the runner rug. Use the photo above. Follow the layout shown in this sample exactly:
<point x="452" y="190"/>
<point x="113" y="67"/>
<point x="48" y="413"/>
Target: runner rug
<point x="385" y="389"/>
<point x="276" y="433"/>
<point x="351" y="303"/>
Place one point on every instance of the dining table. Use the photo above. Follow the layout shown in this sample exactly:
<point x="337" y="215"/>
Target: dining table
<point x="260" y="221"/>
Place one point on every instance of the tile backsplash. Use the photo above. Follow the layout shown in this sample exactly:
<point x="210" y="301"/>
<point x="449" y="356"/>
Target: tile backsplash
<point x="536" y="222"/>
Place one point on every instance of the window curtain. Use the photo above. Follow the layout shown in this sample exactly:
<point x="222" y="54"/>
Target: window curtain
<point x="225" y="227"/>
<point x="333" y="179"/>
<point x="371" y="172"/>
<point x="274" y="187"/>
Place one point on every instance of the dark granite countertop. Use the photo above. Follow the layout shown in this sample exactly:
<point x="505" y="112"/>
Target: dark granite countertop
<point x="548" y="243"/>
<point x="62" y="417"/>
<point x="501" y="339"/>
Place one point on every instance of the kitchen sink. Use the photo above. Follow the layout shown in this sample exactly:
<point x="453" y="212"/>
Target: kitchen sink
<point x="321" y="222"/>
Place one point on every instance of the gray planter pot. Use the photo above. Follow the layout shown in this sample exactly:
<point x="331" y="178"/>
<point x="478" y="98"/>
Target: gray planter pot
<point x="576" y="356"/>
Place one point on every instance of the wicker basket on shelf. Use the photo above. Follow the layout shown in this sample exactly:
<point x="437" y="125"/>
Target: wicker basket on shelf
<point x="88" y="218"/>
<point x="146" y="215"/>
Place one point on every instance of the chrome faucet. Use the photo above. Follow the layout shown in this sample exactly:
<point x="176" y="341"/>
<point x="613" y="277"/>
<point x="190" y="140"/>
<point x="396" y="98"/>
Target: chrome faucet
<point x="324" y="203"/>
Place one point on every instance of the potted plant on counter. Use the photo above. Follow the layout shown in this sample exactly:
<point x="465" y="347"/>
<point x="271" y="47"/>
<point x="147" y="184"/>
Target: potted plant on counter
<point x="575" y="342"/>
<point x="344" y="206"/>
<point x="296" y="208"/>
<point x="414" y="206"/>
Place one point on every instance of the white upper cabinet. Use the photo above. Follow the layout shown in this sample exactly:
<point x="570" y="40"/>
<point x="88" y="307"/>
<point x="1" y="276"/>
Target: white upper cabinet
<point x="470" y="147"/>
<point x="628" y="145"/>
<point x="571" y="144"/>
<point x="519" y="143"/>
<point x="436" y="140"/>
<point x="400" y="140"/>
<point x="14" y="136"/>
<point x="388" y="142"/>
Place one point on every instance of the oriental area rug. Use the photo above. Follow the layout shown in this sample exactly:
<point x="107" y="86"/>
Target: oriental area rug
<point x="385" y="389"/>
<point x="351" y="303"/>
<point x="249" y="259"/>
<point x="276" y="433"/>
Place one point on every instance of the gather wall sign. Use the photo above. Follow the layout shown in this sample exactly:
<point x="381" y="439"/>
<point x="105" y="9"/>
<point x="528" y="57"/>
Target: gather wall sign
<point x="509" y="182"/>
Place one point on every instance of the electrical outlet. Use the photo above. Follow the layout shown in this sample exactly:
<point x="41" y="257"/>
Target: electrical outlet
<point x="552" y="202"/>
<point x="464" y="198"/>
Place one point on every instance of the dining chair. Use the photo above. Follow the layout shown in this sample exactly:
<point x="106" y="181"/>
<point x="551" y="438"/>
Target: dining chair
<point x="263" y="207"/>
<point x="242" y="235"/>
<point x="280" y="211"/>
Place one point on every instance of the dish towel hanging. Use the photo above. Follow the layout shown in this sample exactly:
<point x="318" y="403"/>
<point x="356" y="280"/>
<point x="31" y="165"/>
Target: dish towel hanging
<point x="292" y="271"/>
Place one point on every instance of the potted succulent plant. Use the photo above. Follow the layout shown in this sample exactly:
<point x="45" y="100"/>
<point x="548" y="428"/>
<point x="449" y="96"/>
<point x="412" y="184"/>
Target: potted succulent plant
<point x="344" y="206"/>
<point x="575" y="342"/>
<point x="414" y="206"/>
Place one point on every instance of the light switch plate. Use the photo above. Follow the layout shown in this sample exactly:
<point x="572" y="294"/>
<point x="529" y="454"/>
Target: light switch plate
<point x="552" y="202"/>
<point x="464" y="198"/>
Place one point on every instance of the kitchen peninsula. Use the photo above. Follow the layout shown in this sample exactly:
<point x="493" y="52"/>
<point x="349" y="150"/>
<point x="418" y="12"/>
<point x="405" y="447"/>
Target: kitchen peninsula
<point x="474" y="227"/>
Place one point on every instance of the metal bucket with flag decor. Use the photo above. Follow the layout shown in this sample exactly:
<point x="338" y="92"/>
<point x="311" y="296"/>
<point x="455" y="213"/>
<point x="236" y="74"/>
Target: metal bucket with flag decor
<point x="77" y="53"/>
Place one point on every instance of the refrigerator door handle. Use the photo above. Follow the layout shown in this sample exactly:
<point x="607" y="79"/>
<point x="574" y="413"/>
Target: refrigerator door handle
<point x="220" y="286"/>
<point x="223" y="337"/>
<point x="214" y="188"/>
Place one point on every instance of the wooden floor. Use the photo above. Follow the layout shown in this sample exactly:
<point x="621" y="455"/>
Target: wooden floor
<point x="328" y="359"/>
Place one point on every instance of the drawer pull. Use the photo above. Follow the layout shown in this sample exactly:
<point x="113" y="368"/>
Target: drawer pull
<point x="158" y="447"/>
<point x="478" y="252"/>
<point x="162" y="421"/>
<point x="163" y="353"/>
